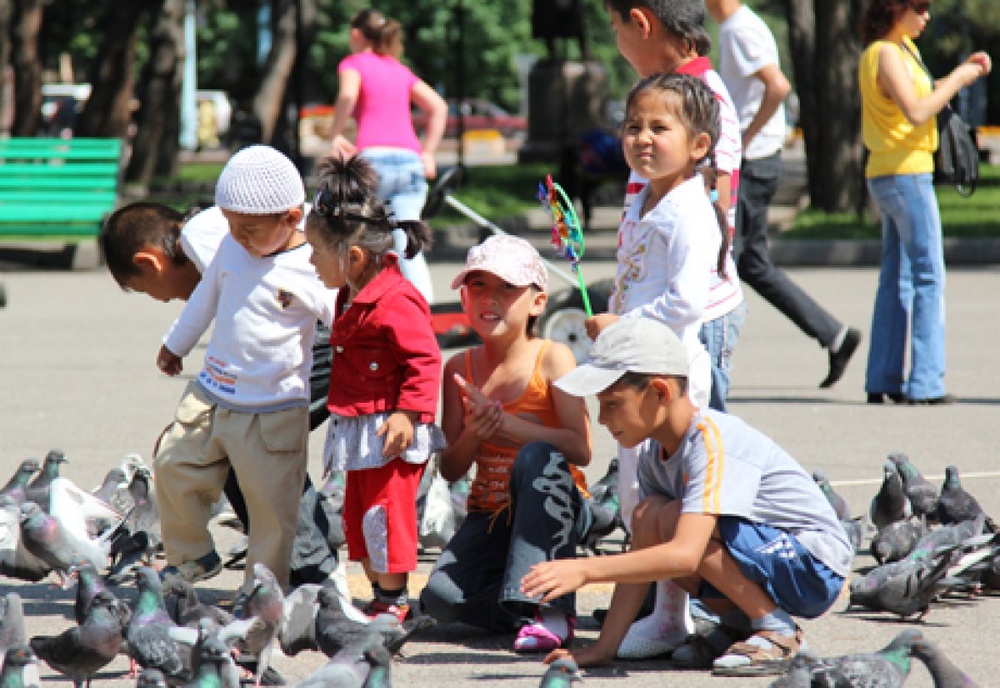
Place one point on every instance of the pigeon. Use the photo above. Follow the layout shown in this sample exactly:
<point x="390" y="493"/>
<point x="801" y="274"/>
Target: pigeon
<point x="838" y="503"/>
<point x="148" y="640"/>
<point x="857" y="529"/>
<point x="266" y="602"/>
<point x="896" y="540"/>
<point x="151" y="678"/>
<point x="81" y="651"/>
<point x="20" y="668"/>
<point x="887" y="668"/>
<point x="922" y="494"/>
<point x="142" y="526"/>
<point x="38" y="489"/>
<point x="335" y="630"/>
<point x="214" y="666"/>
<point x="955" y="504"/>
<point x="16" y="487"/>
<point x="15" y="560"/>
<point x="904" y="587"/>
<point x="362" y="664"/>
<point x="181" y="601"/>
<point x="46" y="538"/>
<point x="89" y="585"/>
<point x="12" y="633"/>
<point x="890" y="504"/>
<point x="966" y="534"/>
<point x="561" y="673"/>
<point x="78" y="510"/>
<point x="945" y="672"/>
<point x="114" y="481"/>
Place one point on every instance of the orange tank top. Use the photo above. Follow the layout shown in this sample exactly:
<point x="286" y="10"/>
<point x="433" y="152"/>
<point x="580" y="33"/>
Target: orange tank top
<point x="490" y="491"/>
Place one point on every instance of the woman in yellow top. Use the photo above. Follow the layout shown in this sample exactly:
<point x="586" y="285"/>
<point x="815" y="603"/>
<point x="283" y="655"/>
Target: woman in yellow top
<point x="899" y="107"/>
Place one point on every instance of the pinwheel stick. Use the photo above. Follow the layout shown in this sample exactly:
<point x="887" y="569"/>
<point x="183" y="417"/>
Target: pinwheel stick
<point x="567" y="236"/>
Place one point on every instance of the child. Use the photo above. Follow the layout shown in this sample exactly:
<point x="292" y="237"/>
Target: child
<point x="726" y="514"/>
<point x="153" y="249"/>
<point x="386" y="373"/>
<point x="527" y="440"/>
<point x="670" y="240"/>
<point x="671" y="37"/>
<point x="248" y="407"/>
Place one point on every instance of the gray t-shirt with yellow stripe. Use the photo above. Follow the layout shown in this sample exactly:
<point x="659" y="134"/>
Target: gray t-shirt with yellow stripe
<point x="724" y="467"/>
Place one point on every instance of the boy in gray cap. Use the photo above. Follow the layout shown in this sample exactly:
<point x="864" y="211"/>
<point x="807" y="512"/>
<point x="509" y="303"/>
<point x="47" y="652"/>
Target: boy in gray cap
<point x="249" y="405"/>
<point x="725" y="512"/>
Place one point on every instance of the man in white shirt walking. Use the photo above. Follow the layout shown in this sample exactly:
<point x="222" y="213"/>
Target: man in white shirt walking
<point x="748" y="64"/>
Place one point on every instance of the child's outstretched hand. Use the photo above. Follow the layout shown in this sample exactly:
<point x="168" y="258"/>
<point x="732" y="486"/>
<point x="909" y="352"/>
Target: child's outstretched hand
<point x="169" y="362"/>
<point x="596" y="323"/>
<point x="398" y="433"/>
<point x="483" y="416"/>
<point x="552" y="579"/>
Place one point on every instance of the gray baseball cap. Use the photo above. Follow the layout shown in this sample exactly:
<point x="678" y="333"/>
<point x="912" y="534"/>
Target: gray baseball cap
<point x="630" y="345"/>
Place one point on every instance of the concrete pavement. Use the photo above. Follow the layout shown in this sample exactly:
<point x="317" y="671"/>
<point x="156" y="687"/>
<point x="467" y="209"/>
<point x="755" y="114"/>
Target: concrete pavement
<point x="77" y="364"/>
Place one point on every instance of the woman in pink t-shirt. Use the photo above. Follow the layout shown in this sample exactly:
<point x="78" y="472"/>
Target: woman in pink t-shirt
<point x="377" y="89"/>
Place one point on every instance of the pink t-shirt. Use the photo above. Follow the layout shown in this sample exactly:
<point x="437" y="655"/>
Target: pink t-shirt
<point x="383" y="108"/>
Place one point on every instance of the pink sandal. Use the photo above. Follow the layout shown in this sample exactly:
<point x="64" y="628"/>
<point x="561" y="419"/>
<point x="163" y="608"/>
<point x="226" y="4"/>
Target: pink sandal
<point x="534" y="637"/>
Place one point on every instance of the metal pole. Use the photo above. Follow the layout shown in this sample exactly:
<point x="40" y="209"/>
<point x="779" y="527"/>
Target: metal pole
<point x="460" y="79"/>
<point x="188" y="138"/>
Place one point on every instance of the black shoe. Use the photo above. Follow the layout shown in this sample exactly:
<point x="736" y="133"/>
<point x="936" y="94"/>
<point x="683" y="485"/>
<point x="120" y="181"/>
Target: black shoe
<point x="934" y="401"/>
<point x="840" y="358"/>
<point x="880" y="397"/>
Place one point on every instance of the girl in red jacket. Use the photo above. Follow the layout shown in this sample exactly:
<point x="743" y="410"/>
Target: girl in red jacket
<point x="385" y="375"/>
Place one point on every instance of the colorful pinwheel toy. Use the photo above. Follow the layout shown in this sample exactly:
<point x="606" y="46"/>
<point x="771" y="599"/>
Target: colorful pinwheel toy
<point x="567" y="235"/>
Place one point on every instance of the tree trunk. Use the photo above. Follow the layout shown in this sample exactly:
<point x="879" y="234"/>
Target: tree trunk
<point x="112" y="76"/>
<point x="6" y="86"/>
<point x="27" y="65"/>
<point x="156" y="145"/>
<point x="825" y="50"/>
<point x="269" y="102"/>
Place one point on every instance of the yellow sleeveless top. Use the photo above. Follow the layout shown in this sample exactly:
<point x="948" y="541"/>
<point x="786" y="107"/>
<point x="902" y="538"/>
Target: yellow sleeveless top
<point x="895" y="145"/>
<point x="490" y="491"/>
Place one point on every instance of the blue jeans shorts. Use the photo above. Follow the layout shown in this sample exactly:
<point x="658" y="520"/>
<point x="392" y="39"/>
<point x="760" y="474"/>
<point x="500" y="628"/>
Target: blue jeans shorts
<point x="797" y="581"/>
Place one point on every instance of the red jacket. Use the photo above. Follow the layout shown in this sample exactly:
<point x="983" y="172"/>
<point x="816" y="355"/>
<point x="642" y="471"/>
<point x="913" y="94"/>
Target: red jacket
<point x="385" y="355"/>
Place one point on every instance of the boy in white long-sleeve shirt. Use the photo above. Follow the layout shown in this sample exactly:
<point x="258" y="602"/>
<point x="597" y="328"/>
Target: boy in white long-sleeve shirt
<point x="248" y="406"/>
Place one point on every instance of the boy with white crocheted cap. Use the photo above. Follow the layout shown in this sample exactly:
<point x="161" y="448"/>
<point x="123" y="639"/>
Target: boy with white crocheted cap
<point x="249" y="405"/>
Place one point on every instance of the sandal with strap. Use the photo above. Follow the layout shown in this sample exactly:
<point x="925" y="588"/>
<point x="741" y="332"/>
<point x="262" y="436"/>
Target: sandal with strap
<point x="769" y="658"/>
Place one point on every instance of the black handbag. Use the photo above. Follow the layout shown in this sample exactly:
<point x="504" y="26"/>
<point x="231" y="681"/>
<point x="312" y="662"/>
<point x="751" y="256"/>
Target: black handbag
<point x="956" y="160"/>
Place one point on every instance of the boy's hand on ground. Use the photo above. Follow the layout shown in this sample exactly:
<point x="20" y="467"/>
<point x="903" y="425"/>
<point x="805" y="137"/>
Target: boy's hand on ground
<point x="596" y="323"/>
<point x="168" y="362"/>
<point x="552" y="579"/>
<point x="589" y="656"/>
<point x="398" y="433"/>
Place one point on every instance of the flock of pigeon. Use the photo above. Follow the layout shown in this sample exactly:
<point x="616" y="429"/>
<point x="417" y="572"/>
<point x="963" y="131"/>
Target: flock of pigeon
<point x="928" y="543"/>
<point x="108" y="537"/>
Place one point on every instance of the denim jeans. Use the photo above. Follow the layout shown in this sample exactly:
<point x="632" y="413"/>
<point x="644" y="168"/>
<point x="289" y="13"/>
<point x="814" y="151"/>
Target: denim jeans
<point x="758" y="184"/>
<point x="720" y="337"/>
<point x="477" y="579"/>
<point x="910" y="290"/>
<point x="403" y="187"/>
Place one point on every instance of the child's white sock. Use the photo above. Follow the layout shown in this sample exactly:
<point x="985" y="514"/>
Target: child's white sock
<point x="663" y="630"/>
<point x="555" y="621"/>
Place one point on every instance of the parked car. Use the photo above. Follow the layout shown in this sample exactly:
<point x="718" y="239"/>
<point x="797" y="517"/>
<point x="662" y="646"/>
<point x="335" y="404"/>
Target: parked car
<point x="479" y="114"/>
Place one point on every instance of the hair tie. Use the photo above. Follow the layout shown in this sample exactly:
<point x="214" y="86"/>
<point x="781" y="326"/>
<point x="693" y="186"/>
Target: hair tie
<point x="713" y="196"/>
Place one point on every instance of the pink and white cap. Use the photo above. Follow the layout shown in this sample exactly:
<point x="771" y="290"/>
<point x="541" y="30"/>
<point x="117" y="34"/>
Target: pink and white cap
<point x="510" y="258"/>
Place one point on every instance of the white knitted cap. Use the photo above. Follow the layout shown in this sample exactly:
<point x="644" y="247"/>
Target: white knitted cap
<point x="259" y="180"/>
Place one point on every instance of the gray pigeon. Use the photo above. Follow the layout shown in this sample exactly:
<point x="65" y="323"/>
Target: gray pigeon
<point x="114" y="480"/>
<point x="142" y="537"/>
<point x="148" y="640"/>
<point x="46" y="538"/>
<point x="945" y="672"/>
<point x="838" y="503"/>
<point x="214" y="664"/>
<point x="857" y="530"/>
<point x="890" y="504"/>
<point x="88" y="584"/>
<point x="922" y="494"/>
<point x="266" y="603"/>
<point x="16" y="488"/>
<point x="561" y="673"/>
<point x="334" y="630"/>
<point x="799" y="671"/>
<point x="966" y="534"/>
<point x="12" y="633"/>
<point x="182" y="603"/>
<point x="38" y="489"/>
<point x="151" y="678"/>
<point x="904" y="587"/>
<point x="20" y="668"/>
<point x="362" y="664"/>
<point x="955" y="504"/>
<point x="897" y="540"/>
<point x="15" y="560"/>
<point x="81" y="651"/>
<point x="887" y="668"/>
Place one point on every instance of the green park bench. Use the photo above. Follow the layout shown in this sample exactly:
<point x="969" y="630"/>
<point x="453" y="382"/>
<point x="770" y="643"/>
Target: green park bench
<point x="53" y="187"/>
